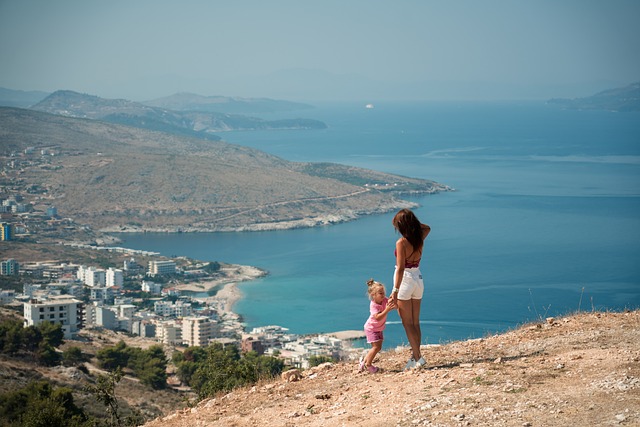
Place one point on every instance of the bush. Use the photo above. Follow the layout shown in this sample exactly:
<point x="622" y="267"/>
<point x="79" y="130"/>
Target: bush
<point x="39" y="404"/>
<point x="225" y="370"/>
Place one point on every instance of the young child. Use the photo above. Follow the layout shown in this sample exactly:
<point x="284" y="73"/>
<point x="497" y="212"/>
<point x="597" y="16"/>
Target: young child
<point x="379" y="308"/>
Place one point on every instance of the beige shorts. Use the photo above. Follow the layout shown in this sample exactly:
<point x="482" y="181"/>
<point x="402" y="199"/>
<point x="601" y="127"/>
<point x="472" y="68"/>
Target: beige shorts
<point x="412" y="285"/>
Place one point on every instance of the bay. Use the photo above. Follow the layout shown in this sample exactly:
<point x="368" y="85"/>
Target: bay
<point x="545" y="219"/>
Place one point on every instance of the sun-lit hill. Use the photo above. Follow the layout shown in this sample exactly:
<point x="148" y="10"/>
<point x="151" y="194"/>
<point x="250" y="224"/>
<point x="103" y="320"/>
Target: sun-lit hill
<point x="115" y="177"/>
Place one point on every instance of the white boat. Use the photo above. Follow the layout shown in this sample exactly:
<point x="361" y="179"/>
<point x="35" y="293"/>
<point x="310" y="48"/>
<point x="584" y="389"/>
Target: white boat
<point x="368" y="106"/>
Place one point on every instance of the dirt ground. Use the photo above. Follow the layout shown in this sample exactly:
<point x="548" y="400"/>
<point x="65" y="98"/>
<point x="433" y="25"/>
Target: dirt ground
<point x="581" y="370"/>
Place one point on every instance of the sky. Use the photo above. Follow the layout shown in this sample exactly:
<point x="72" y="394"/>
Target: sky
<point x="321" y="50"/>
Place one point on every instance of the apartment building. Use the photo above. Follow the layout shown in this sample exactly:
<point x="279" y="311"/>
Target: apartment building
<point x="92" y="276"/>
<point x="169" y="309"/>
<point x="114" y="277"/>
<point x="169" y="332"/>
<point x="6" y="231"/>
<point x="197" y="331"/>
<point x="159" y="268"/>
<point x="9" y="267"/>
<point x="61" y="310"/>
<point x="101" y="316"/>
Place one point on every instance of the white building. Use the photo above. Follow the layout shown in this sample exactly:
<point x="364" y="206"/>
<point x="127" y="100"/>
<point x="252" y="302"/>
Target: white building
<point x="169" y="309"/>
<point x="151" y="287"/>
<point x="197" y="331"/>
<point x="158" y="268"/>
<point x="61" y="310"/>
<point x="101" y="316"/>
<point x="114" y="277"/>
<point x="169" y="332"/>
<point x="91" y="276"/>
<point x="126" y="310"/>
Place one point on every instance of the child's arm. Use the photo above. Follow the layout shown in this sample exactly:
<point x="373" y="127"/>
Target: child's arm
<point x="381" y="314"/>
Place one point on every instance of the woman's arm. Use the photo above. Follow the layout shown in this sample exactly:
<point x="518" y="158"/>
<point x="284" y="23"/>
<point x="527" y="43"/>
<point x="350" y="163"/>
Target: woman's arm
<point x="397" y="277"/>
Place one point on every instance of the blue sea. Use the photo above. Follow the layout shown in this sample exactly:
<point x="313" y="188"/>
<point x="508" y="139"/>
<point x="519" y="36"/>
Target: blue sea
<point x="545" y="219"/>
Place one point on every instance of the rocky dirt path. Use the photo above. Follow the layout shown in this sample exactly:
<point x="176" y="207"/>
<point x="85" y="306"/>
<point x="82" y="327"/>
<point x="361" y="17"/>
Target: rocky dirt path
<point x="582" y="370"/>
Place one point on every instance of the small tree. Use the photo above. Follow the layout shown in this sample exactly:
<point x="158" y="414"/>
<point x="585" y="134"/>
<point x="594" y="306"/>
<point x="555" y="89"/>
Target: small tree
<point x="52" y="333"/>
<point x="47" y="355"/>
<point x="115" y="357"/>
<point x="73" y="356"/>
<point x="105" y="393"/>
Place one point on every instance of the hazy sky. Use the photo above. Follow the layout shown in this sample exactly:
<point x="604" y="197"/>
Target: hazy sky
<point x="321" y="49"/>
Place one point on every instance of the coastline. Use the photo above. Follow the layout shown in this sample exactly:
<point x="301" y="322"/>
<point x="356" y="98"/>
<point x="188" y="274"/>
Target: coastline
<point x="322" y="219"/>
<point x="225" y="287"/>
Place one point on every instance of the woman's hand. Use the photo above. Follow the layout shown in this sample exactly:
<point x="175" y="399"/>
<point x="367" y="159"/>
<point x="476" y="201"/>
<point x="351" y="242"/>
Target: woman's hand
<point x="392" y="299"/>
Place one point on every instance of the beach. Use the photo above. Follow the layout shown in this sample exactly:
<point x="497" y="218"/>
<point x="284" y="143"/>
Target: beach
<point x="223" y="289"/>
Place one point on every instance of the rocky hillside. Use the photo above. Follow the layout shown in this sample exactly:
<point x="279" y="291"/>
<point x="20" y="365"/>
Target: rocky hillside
<point x="120" y="178"/>
<point x="191" y="123"/>
<point x="582" y="370"/>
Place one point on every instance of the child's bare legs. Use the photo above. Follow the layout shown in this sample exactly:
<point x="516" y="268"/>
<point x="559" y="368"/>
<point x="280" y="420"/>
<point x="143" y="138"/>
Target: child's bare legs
<point x="375" y="349"/>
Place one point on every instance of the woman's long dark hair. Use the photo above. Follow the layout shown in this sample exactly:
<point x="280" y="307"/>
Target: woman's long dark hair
<point x="409" y="226"/>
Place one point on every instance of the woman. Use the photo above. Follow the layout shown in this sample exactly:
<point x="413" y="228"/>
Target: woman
<point x="408" y="286"/>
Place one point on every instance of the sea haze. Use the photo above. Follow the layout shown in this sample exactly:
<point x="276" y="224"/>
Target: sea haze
<point x="545" y="219"/>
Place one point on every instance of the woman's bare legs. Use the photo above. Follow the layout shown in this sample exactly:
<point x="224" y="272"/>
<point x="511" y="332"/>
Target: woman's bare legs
<point x="409" y="311"/>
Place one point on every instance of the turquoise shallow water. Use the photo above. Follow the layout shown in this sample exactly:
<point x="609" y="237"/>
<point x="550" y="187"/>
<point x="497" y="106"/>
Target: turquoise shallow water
<point x="545" y="219"/>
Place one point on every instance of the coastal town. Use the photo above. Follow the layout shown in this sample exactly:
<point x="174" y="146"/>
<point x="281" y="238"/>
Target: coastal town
<point x="179" y="302"/>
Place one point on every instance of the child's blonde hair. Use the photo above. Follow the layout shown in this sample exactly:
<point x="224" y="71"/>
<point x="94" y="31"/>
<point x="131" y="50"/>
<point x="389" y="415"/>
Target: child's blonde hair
<point x="373" y="287"/>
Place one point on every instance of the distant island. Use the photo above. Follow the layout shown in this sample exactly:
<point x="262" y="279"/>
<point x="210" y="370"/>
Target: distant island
<point x="619" y="99"/>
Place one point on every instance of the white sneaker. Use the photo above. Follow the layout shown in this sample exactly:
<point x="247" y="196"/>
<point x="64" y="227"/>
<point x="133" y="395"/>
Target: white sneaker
<point x="410" y="364"/>
<point x="420" y="363"/>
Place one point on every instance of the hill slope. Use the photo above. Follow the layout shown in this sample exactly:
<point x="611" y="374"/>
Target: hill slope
<point x="190" y="123"/>
<point x="122" y="178"/>
<point x="619" y="99"/>
<point x="581" y="370"/>
<point x="224" y="104"/>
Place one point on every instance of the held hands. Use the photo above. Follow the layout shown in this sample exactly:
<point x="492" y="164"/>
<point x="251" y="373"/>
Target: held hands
<point x="391" y="303"/>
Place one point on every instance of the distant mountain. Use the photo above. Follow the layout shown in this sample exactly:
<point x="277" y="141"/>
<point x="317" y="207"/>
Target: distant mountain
<point x="222" y="104"/>
<point x="120" y="178"/>
<point x="620" y="99"/>
<point x="188" y="123"/>
<point x="20" y="98"/>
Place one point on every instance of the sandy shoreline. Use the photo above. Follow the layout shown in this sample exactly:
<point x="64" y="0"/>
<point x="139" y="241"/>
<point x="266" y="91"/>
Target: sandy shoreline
<point x="226" y="287"/>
